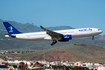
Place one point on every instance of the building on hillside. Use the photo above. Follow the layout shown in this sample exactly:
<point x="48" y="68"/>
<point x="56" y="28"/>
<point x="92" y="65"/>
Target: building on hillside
<point x="101" y="67"/>
<point x="4" y="67"/>
<point x="68" y="64"/>
<point x="77" y="63"/>
<point x="1" y="60"/>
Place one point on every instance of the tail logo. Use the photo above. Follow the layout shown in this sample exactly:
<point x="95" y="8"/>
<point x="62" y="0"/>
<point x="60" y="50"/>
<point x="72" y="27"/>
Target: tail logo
<point x="11" y="29"/>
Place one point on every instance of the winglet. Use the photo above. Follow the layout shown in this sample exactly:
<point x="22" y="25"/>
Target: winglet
<point x="41" y="27"/>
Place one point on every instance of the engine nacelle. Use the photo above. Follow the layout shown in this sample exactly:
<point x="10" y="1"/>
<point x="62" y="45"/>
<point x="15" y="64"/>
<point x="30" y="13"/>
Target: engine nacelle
<point x="66" y="38"/>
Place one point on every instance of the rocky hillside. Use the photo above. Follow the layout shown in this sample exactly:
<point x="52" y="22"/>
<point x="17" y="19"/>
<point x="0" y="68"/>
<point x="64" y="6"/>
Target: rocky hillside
<point x="74" y="52"/>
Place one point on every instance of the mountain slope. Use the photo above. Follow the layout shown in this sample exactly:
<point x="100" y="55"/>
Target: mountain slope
<point x="38" y="45"/>
<point x="74" y="52"/>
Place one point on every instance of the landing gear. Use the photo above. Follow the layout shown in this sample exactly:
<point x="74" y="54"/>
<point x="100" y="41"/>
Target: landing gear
<point x="53" y="38"/>
<point x="54" y="42"/>
<point x="92" y="37"/>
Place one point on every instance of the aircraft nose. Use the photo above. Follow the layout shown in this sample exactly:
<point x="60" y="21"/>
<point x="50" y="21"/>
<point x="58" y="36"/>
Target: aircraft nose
<point x="101" y="31"/>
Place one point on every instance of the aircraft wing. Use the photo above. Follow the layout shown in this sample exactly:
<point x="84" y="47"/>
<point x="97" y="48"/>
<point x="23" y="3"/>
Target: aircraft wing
<point x="53" y="34"/>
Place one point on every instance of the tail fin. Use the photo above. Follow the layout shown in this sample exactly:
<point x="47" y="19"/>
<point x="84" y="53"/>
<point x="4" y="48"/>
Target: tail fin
<point x="10" y="29"/>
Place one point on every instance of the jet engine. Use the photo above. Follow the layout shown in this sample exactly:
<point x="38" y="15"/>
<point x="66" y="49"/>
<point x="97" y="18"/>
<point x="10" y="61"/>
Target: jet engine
<point x="65" y="38"/>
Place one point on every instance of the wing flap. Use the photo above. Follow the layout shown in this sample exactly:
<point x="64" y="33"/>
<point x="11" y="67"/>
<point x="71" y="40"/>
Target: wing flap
<point x="52" y="33"/>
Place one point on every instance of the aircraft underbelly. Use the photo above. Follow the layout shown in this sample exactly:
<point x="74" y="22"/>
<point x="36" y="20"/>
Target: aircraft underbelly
<point x="33" y="38"/>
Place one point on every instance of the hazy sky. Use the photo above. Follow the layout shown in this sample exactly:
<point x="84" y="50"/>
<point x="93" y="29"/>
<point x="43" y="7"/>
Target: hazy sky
<point x="50" y="13"/>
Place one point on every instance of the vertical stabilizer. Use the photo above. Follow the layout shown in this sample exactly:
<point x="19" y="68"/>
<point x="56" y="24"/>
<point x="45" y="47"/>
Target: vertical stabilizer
<point x="10" y="29"/>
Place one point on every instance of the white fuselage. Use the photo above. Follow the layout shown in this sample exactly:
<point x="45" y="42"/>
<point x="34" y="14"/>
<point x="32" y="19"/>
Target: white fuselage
<point x="40" y="36"/>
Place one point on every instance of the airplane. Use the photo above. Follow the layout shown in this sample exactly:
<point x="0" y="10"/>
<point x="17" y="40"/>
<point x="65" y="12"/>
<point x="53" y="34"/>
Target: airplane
<point x="55" y="36"/>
